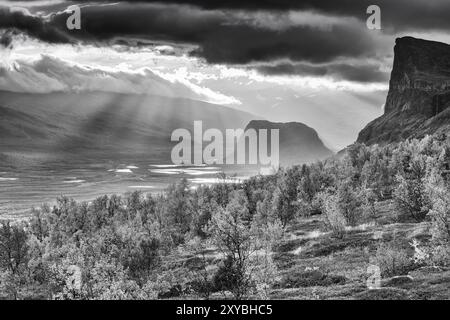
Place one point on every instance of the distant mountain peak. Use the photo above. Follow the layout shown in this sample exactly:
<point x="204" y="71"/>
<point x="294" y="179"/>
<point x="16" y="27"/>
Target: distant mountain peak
<point x="298" y="143"/>
<point x="419" y="93"/>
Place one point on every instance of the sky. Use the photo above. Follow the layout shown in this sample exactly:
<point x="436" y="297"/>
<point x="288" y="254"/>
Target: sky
<point x="311" y="61"/>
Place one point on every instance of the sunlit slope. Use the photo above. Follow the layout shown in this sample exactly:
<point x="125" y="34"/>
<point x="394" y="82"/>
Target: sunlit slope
<point x="100" y="123"/>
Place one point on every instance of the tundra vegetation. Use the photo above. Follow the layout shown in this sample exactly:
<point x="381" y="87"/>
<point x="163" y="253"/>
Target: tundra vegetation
<point x="305" y="232"/>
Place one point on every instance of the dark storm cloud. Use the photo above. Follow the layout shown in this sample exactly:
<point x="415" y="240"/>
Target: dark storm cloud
<point x="222" y="37"/>
<point x="398" y="15"/>
<point x="226" y="37"/>
<point x="340" y="71"/>
<point x="154" y="22"/>
<point x="246" y="33"/>
<point x="5" y="39"/>
<point x="32" y="25"/>
<point x="244" y="44"/>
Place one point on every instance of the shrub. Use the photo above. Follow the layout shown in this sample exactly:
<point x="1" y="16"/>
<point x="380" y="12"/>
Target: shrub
<point x="231" y="277"/>
<point x="264" y="274"/>
<point x="410" y="195"/>
<point x="368" y="200"/>
<point x="311" y="278"/>
<point x="334" y="219"/>
<point x="13" y="247"/>
<point x="247" y="248"/>
<point x="231" y="234"/>
<point x="411" y="198"/>
<point x="392" y="260"/>
<point x="283" y="205"/>
<point x="199" y="267"/>
<point x="349" y="203"/>
<point x="440" y="255"/>
<point x="439" y="194"/>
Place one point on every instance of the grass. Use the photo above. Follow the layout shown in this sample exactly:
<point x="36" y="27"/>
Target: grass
<point x="316" y="265"/>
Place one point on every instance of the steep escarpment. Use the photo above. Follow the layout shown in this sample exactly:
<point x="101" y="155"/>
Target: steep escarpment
<point x="419" y="93"/>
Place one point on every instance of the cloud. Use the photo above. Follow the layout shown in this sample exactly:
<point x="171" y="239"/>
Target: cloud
<point x="11" y="18"/>
<point x="314" y="36"/>
<point x="30" y="3"/>
<point x="399" y="15"/>
<point x="232" y="37"/>
<point x="337" y="71"/>
<point x="5" y="39"/>
<point x="228" y="37"/>
<point x="243" y="44"/>
<point x="51" y="74"/>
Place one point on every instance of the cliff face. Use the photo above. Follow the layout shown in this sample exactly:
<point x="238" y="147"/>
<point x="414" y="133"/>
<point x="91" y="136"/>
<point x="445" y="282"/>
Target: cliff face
<point x="419" y="93"/>
<point x="298" y="143"/>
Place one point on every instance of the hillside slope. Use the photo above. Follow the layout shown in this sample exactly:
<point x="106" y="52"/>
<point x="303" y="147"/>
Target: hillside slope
<point x="98" y="123"/>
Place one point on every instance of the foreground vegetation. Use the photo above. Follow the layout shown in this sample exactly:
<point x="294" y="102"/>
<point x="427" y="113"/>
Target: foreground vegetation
<point x="375" y="216"/>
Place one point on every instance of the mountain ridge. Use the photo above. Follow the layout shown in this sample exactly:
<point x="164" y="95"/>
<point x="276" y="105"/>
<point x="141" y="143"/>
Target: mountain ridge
<point x="103" y="124"/>
<point x="299" y="143"/>
<point x="418" y="100"/>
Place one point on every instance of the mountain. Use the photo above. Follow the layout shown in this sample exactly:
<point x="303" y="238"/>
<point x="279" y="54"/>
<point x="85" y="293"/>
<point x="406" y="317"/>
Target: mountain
<point x="103" y="125"/>
<point x="419" y="93"/>
<point x="298" y="143"/>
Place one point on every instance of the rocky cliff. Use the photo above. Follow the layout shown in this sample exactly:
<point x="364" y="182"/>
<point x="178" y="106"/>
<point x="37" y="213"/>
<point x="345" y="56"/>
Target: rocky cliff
<point x="419" y="93"/>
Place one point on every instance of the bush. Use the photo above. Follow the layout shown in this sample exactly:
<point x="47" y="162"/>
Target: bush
<point x="410" y="195"/>
<point x="440" y="255"/>
<point x="392" y="260"/>
<point x="342" y="208"/>
<point x="230" y="277"/>
<point x="311" y="278"/>
<point x="439" y="194"/>
<point x="13" y="247"/>
<point x="349" y="203"/>
<point x="202" y="287"/>
<point x="411" y="198"/>
<point x="334" y="219"/>
<point x="368" y="201"/>
<point x="230" y="233"/>
<point x="199" y="267"/>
